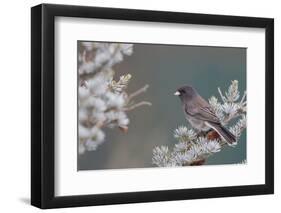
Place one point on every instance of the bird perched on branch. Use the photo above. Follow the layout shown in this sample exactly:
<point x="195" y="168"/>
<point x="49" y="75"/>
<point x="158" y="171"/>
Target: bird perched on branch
<point x="200" y="115"/>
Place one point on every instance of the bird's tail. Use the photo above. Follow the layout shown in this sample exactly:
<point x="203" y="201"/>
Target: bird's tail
<point x="224" y="133"/>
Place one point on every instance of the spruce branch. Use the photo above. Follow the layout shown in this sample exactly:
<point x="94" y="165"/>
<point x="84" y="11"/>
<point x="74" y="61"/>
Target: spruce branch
<point x="194" y="148"/>
<point x="103" y="102"/>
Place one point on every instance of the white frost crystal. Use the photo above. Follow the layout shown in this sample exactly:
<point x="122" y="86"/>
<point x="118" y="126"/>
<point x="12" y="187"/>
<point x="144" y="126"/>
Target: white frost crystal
<point x="97" y="56"/>
<point x="184" y="134"/>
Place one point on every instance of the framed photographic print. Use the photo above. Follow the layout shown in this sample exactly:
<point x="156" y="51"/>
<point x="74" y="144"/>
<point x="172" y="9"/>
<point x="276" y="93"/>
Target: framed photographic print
<point x="139" y="106"/>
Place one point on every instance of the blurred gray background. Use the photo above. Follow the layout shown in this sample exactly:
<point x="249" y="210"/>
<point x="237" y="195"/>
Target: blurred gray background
<point x="165" y="68"/>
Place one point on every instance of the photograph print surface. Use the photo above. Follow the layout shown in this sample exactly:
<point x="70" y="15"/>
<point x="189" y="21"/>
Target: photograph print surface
<point x="158" y="105"/>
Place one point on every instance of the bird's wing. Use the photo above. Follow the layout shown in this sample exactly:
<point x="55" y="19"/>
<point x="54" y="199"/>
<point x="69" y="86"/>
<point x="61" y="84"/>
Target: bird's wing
<point x="204" y="113"/>
<point x="208" y="113"/>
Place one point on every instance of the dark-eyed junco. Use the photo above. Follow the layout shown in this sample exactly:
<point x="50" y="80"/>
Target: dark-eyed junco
<point x="200" y="115"/>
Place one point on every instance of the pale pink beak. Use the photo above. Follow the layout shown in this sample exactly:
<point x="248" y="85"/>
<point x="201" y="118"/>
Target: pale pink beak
<point x="177" y="93"/>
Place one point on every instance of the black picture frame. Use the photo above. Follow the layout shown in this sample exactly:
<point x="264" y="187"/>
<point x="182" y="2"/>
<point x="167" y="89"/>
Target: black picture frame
<point x="43" y="105"/>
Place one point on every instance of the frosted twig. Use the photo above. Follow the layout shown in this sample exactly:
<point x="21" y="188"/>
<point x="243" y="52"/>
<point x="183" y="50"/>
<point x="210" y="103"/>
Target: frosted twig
<point x="222" y="96"/>
<point x="142" y="103"/>
<point x="138" y="92"/>
<point x="243" y="98"/>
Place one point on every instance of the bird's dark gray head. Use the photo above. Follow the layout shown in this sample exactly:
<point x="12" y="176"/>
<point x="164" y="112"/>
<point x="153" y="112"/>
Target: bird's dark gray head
<point x="186" y="92"/>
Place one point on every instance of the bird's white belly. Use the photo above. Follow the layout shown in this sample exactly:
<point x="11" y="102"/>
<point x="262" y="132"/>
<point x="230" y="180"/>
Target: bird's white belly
<point x="197" y="124"/>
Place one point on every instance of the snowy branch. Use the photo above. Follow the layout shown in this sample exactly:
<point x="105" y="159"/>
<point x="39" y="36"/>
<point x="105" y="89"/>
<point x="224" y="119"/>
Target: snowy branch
<point x="194" y="148"/>
<point x="103" y="101"/>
